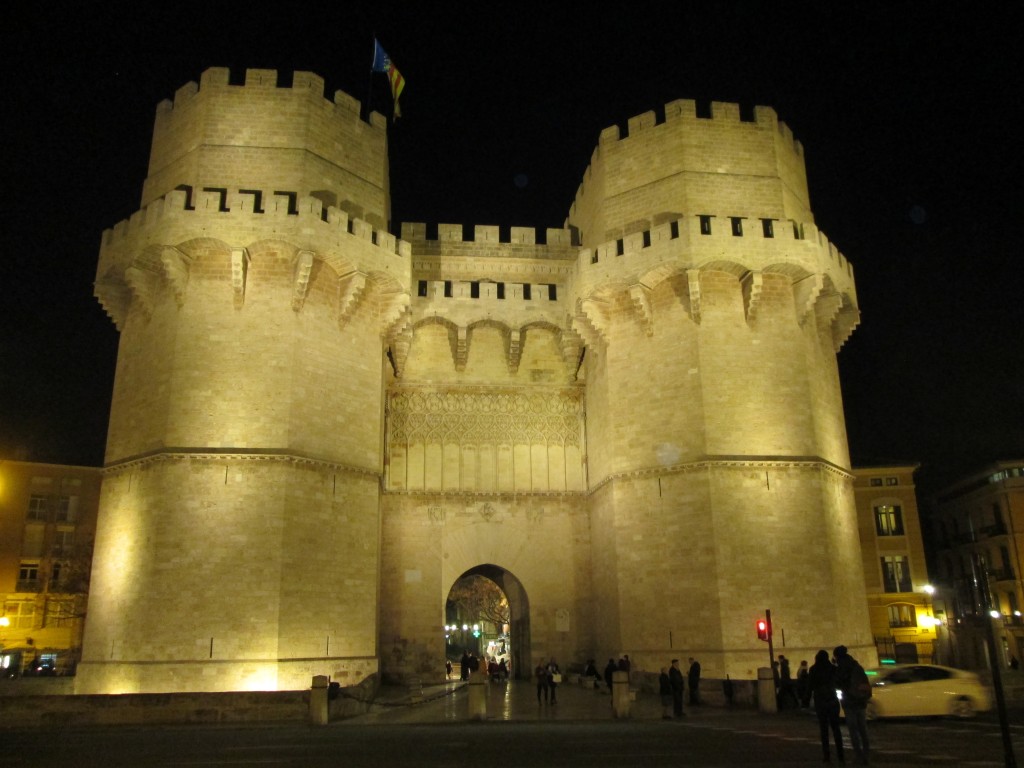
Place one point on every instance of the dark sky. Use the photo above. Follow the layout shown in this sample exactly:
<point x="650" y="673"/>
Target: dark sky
<point x="910" y="115"/>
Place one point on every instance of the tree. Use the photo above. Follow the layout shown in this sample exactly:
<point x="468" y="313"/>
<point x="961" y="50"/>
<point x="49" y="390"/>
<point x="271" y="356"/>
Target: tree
<point x="480" y="598"/>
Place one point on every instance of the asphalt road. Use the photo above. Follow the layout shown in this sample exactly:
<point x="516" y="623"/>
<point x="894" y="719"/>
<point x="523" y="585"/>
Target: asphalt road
<point x="433" y="734"/>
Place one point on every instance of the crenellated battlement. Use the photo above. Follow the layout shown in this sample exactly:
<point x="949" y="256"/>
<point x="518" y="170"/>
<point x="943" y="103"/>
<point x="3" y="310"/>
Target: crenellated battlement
<point x="303" y="83"/>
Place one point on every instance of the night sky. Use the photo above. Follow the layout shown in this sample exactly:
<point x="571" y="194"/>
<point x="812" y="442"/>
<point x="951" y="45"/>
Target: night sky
<point x="910" y="117"/>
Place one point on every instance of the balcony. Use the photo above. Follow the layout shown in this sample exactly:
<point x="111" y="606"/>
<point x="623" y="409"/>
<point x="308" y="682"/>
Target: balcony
<point x="998" y="529"/>
<point x="28" y="585"/>
<point x="1001" y="574"/>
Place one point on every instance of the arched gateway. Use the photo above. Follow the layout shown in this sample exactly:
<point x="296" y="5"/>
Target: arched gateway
<point x="317" y="428"/>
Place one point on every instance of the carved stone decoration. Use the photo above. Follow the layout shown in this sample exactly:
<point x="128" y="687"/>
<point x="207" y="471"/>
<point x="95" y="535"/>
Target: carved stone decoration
<point x="461" y="347"/>
<point x="693" y="283"/>
<point x="176" y="267"/>
<point x="435" y="513"/>
<point x="640" y="295"/>
<point x="487" y="511"/>
<point x="239" y="269"/>
<point x="300" y="277"/>
<point x="752" y="284"/>
<point x="806" y="293"/>
<point x="350" y="290"/>
<point x="143" y="284"/>
<point x="515" y="349"/>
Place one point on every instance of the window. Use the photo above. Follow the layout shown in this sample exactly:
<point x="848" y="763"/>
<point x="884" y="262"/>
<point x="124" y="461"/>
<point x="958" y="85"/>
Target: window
<point x="21" y="614"/>
<point x="63" y="542"/>
<point x="67" y="509"/>
<point x="892" y="481"/>
<point x="896" y="573"/>
<point x="501" y="290"/>
<point x="447" y="289"/>
<point x="737" y="226"/>
<point x="876" y="482"/>
<point x="28" y="571"/>
<point x="888" y="520"/>
<point x="37" y="507"/>
<point x="474" y="289"/>
<point x="902" y="615"/>
<point x="705" y="225"/>
<point x="526" y="291"/>
<point x="60" y="613"/>
<point x="552" y="292"/>
<point x="767" y="228"/>
<point x="421" y="288"/>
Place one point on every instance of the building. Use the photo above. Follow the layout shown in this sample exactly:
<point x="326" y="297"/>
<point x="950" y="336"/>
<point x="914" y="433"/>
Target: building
<point x="978" y="527"/>
<point x="899" y="593"/>
<point x="47" y="526"/>
<point x="629" y="424"/>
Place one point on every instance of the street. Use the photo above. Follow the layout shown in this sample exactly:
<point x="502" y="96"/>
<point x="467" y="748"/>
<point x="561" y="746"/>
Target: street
<point x="522" y="733"/>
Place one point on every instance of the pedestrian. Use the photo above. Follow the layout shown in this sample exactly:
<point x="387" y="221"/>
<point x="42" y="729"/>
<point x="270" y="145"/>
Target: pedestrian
<point x="554" y="678"/>
<point x="608" y="670"/>
<point x="590" y="673"/>
<point x="821" y="680"/>
<point x="474" y="663"/>
<point x="803" y="688"/>
<point x="1014" y="664"/>
<point x="464" y="666"/>
<point x="503" y="669"/>
<point x="853" y="683"/>
<point x="447" y="669"/>
<point x="543" y="683"/>
<point x="787" y="698"/>
<point x="665" y="692"/>
<point x="693" y="680"/>
<point x="675" y="677"/>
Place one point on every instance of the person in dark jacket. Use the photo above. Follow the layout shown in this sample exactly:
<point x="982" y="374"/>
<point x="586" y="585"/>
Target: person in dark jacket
<point x="675" y="677"/>
<point x="665" y="692"/>
<point x="693" y="680"/>
<point x="612" y="667"/>
<point x="543" y="683"/>
<point x="854" y="705"/>
<point x="821" y="680"/>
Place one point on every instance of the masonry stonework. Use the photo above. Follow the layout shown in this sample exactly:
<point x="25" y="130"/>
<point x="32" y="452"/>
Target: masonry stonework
<point x="634" y="427"/>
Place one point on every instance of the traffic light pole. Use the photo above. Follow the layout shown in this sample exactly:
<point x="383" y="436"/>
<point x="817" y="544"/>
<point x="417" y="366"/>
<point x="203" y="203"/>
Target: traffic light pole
<point x="771" y="647"/>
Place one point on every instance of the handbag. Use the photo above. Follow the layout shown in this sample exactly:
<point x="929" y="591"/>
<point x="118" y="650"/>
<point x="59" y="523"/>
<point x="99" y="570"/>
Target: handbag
<point x="556" y="677"/>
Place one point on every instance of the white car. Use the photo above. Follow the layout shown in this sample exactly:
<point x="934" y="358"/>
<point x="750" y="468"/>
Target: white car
<point x="913" y="690"/>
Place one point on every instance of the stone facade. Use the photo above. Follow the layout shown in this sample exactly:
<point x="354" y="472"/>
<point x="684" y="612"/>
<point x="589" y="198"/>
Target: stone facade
<point x="635" y="426"/>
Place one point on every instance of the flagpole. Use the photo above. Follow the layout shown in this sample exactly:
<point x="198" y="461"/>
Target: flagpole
<point x="369" y="81"/>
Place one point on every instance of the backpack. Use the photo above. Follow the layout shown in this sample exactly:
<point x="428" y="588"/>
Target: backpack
<point x="860" y="686"/>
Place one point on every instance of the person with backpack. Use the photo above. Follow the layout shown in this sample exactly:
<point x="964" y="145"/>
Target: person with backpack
<point x="853" y="683"/>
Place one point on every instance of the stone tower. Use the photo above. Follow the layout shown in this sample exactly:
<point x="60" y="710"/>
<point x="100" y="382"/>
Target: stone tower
<point x="634" y="427"/>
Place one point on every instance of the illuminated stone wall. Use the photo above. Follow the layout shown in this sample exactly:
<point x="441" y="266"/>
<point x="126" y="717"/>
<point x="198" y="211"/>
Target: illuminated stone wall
<point x="635" y="419"/>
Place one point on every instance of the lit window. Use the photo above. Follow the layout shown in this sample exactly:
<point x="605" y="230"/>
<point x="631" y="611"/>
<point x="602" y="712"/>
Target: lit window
<point x="28" y="571"/>
<point x="737" y="226"/>
<point x="896" y="573"/>
<point x="767" y="228"/>
<point x="889" y="520"/>
<point x="892" y="481"/>
<point x="21" y="614"/>
<point x="902" y="615"/>
<point x="876" y="482"/>
<point x="67" y="509"/>
<point x="705" y="225"/>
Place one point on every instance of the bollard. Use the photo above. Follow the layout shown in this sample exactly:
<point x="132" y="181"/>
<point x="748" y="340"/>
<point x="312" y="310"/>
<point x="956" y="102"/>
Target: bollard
<point x="318" y="700"/>
<point x="477" y="697"/>
<point x="766" y="691"/>
<point x="620" y="694"/>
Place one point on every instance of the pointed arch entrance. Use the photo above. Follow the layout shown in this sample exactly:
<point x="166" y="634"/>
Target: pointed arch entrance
<point x="518" y="640"/>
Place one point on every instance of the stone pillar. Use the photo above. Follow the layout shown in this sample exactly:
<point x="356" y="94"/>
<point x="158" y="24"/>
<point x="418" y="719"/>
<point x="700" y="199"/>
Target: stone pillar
<point x="477" y="697"/>
<point x="766" y="691"/>
<point x="318" y="700"/>
<point x="620" y="694"/>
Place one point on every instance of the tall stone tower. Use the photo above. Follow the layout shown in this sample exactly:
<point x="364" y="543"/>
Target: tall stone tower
<point x="634" y="427"/>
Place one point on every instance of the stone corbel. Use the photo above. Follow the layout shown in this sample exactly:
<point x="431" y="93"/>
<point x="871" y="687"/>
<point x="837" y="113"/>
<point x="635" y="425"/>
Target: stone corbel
<point x="640" y="294"/>
<point x="752" y="284"/>
<point x="693" y="286"/>
<point x="114" y="298"/>
<point x="300" y="278"/>
<point x="596" y="313"/>
<point x="239" y="271"/>
<point x="827" y="308"/>
<point x="572" y="347"/>
<point x="461" y="348"/>
<point x="806" y="293"/>
<point x="350" y="290"/>
<point x="394" y="310"/>
<point x="515" y="349"/>
<point x="176" y="267"/>
<point x="847" y="319"/>
<point x="143" y="285"/>
<point x="401" y="343"/>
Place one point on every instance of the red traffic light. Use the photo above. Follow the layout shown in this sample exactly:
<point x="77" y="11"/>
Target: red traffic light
<point x="762" y="630"/>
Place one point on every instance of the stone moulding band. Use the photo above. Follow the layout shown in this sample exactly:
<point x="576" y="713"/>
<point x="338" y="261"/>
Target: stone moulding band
<point x="233" y="454"/>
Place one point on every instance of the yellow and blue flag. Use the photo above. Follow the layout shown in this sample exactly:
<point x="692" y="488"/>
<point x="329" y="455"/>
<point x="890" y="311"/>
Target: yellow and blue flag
<point x="383" y="63"/>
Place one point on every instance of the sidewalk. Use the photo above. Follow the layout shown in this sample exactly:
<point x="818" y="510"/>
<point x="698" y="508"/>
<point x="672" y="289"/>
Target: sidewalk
<point x="508" y="701"/>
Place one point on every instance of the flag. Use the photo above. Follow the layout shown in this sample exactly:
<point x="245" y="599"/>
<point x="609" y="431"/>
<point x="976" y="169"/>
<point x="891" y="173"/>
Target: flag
<point x="382" y="63"/>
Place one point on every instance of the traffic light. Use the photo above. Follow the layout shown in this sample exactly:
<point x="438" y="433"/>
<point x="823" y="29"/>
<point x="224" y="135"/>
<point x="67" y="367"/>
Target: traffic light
<point x="762" y="629"/>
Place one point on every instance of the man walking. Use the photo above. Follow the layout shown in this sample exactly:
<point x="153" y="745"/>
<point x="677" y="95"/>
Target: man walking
<point x="675" y="677"/>
<point x="856" y="690"/>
